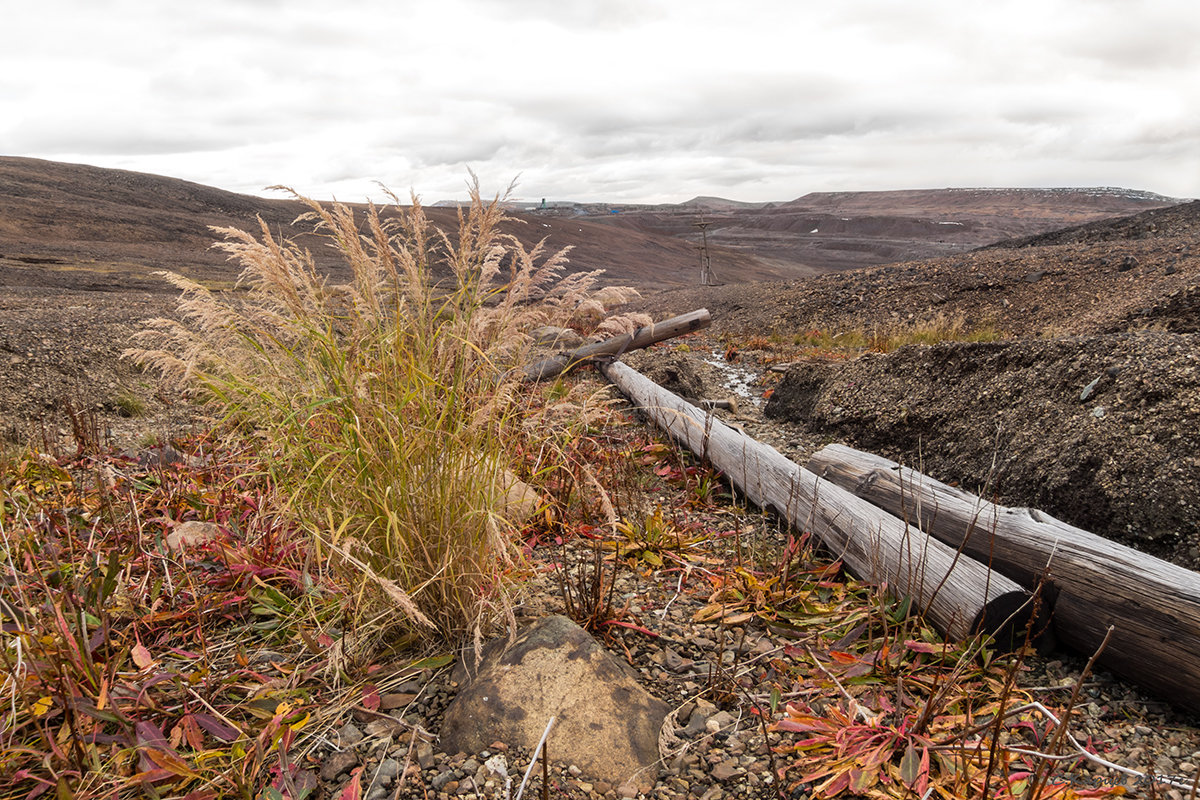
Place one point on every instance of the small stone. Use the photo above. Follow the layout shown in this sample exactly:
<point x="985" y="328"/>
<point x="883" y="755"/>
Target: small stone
<point x="719" y="721"/>
<point x="410" y="686"/>
<point x="713" y="793"/>
<point x="425" y="755"/>
<point x="1088" y="390"/>
<point x="698" y="718"/>
<point x="378" y="792"/>
<point x="574" y="771"/>
<point x="388" y="769"/>
<point x="192" y="534"/>
<point x="627" y="790"/>
<point x="726" y="770"/>
<point x="675" y="662"/>
<point x="349" y="735"/>
<point x="439" y="781"/>
<point x="338" y="763"/>
<point x="494" y="767"/>
<point x="602" y="787"/>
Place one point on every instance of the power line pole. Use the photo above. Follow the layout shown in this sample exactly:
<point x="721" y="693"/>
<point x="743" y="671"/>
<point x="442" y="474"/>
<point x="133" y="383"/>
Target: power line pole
<point x="707" y="278"/>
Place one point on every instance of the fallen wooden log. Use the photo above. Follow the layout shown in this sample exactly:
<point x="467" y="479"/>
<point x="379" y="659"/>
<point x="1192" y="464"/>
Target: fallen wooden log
<point x="1153" y="605"/>
<point x="642" y="337"/>
<point x="956" y="593"/>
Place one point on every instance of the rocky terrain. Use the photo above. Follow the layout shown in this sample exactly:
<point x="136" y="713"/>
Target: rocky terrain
<point x="1081" y="397"/>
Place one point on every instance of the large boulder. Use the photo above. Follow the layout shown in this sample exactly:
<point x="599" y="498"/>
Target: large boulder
<point x="606" y="723"/>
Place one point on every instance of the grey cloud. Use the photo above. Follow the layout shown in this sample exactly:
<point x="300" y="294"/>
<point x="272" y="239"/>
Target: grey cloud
<point x="574" y="14"/>
<point x="107" y="141"/>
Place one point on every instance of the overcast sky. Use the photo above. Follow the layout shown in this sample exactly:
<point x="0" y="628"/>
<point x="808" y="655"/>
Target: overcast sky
<point x="616" y="100"/>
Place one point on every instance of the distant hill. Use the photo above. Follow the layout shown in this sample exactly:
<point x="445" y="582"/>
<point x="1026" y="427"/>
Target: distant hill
<point x="124" y="225"/>
<point x="719" y="204"/>
<point x="826" y="231"/>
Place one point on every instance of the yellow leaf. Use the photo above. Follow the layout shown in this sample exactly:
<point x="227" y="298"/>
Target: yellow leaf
<point x="296" y="726"/>
<point x="42" y="706"/>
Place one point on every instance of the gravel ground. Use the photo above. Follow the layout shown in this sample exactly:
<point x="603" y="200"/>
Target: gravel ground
<point x="721" y="749"/>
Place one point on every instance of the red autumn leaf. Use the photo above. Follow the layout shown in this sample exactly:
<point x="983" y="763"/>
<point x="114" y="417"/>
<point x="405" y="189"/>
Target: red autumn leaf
<point x="371" y="698"/>
<point x="191" y="732"/>
<point x="353" y="788"/>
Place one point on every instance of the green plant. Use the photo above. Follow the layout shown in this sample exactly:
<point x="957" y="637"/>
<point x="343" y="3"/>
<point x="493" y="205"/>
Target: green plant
<point x="386" y="406"/>
<point x="129" y="404"/>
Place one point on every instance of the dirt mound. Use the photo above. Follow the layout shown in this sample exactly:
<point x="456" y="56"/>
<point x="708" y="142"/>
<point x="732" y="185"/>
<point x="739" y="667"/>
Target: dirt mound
<point x="1068" y="289"/>
<point x="1098" y="430"/>
<point x="1178" y="220"/>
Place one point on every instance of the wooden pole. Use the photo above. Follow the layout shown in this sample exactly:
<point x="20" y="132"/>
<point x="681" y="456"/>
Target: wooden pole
<point x="642" y="337"/>
<point x="1153" y="605"/>
<point x="956" y="593"/>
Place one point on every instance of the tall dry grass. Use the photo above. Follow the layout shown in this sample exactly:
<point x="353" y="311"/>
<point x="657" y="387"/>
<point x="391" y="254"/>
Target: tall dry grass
<point x="384" y="403"/>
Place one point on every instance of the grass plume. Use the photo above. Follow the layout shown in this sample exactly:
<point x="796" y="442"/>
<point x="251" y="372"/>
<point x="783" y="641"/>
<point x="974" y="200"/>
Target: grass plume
<point x="383" y="401"/>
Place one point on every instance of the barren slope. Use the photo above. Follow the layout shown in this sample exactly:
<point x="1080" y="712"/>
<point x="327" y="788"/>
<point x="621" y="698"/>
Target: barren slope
<point x="87" y="227"/>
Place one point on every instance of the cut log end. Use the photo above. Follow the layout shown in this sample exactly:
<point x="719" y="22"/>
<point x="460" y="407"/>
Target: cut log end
<point x="1014" y="619"/>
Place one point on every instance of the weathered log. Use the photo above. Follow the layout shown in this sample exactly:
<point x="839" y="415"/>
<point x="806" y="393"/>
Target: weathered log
<point x="1153" y="605"/>
<point x="956" y="593"/>
<point x="642" y="337"/>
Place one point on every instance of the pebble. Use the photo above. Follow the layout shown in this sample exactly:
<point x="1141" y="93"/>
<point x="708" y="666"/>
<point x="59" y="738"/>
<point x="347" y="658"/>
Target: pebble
<point x="719" y="721"/>
<point x="337" y="763"/>
<point x="387" y="771"/>
<point x="349" y="735"/>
